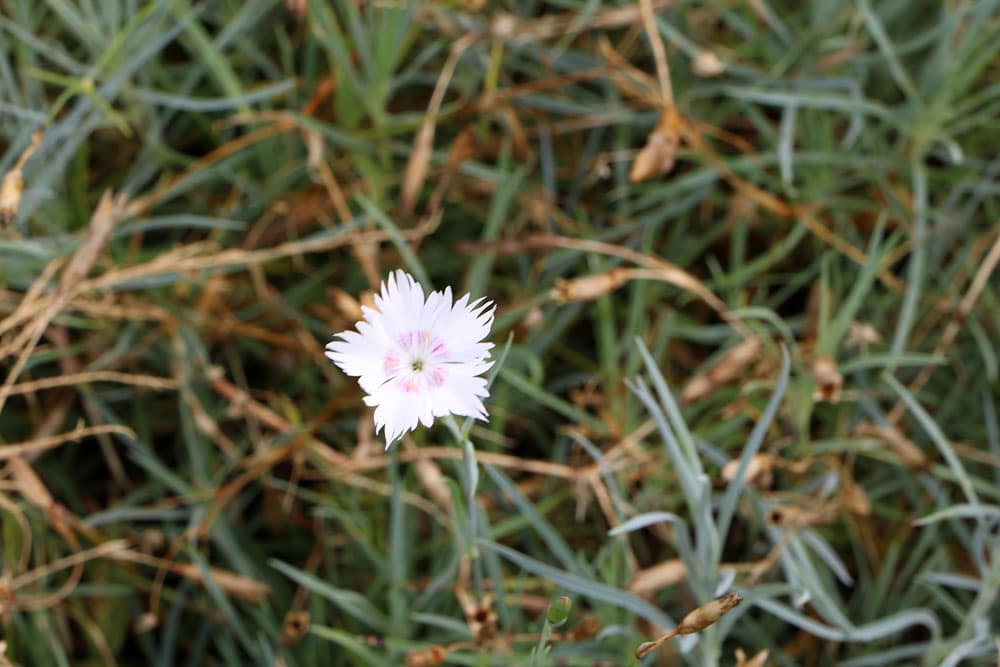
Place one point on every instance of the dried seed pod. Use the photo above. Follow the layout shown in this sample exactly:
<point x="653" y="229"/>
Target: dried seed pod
<point x="758" y="472"/>
<point x="463" y="148"/>
<point x="294" y="627"/>
<point x="10" y="195"/>
<point x="585" y="629"/>
<point x="482" y="620"/>
<point x="13" y="183"/>
<point x="151" y="540"/>
<point x="533" y="318"/>
<point x="435" y="655"/>
<point x="503" y="26"/>
<point x="758" y="660"/>
<point x="707" y="614"/>
<point x="911" y="455"/>
<point x="297" y="8"/>
<point x="727" y="368"/>
<point x="588" y="288"/>
<point x="853" y="498"/>
<point x="791" y="516"/>
<point x="707" y="63"/>
<point x="660" y="151"/>
<point x="146" y="622"/>
<point x="861" y="335"/>
<point x="828" y="378"/>
<point x="695" y="621"/>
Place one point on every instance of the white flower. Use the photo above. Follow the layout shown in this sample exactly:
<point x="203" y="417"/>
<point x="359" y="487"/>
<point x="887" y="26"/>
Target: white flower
<point x="418" y="359"/>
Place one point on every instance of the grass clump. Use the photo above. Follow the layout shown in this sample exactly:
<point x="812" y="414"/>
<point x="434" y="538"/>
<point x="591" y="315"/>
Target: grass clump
<point x="744" y="256"/>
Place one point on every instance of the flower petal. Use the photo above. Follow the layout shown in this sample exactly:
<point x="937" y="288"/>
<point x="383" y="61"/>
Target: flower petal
<point x="400" y="302"/>
<point x="464" y="327"/>
<point x="399" y="410"/>
<point x="461" y="395"/>
<point x="438" y="304"/>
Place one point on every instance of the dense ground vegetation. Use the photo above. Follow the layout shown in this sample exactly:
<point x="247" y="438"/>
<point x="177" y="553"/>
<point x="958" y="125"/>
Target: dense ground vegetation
<point x="744" y="257"/>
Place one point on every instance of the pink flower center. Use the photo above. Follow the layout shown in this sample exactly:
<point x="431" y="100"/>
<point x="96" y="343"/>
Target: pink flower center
<point x="418" y="363"/>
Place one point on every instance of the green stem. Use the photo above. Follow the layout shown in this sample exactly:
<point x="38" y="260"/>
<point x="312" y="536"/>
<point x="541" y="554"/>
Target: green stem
<point x="470" y="480"/>
<point x="543" y="640"/>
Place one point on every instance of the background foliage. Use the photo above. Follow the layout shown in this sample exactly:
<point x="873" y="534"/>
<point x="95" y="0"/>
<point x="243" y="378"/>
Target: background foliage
<point x="186" y="480"/>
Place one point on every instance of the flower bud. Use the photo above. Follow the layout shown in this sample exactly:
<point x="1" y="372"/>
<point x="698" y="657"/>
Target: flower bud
<point x="559" y="611"/>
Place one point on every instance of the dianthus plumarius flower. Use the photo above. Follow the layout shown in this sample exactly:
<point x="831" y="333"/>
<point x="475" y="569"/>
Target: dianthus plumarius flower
<point x="418" y="359"/>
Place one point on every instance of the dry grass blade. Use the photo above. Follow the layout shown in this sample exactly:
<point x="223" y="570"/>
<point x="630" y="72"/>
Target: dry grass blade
<point x="692" y="133"/>
<point x="463" y="148"/>
<point x="142" y="205"/>
<point x="230" y="583"/>
<point x="112" y="549"/>
<point x="241" y="403"/>
<point x="15" y="450"/>
<point x="965" y="306"/>
<point x="647" y="13"/>
<point x="131" y="379"/>
<point x="197" y="257"/>
<point x="423" y="143"/>
<point x="507" y="26"/>
<point x="180" y="334"/>
<point x="498" y="459"/>
<point x="75" y="561"/>
<point x="316" y="162"/>
<point x="108" y="212"/>
<point x="658" y="154"/>
<point x="32" y="300"/>
<point x="431" y="478"/>
<point x="725" y="370"/>
<point x="658" y="577"/>
<point x="29" y="484"/>
<point x="909" y="453"/>
<point x="656" y="269"/>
